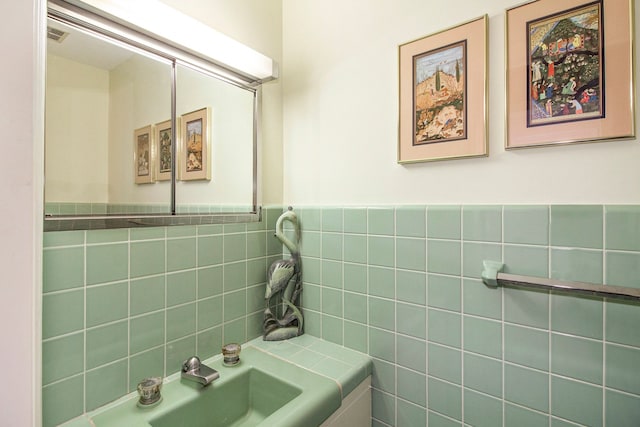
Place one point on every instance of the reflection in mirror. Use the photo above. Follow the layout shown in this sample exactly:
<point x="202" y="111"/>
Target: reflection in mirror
<point x="98" y="94"/>
<point x="216" y="133"/>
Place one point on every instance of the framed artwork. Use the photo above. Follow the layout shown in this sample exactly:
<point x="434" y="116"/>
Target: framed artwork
<point x="195" y="158"/>
<point x="569" y="72"/>
<point x="443" y="103"/>
<point x="164" y="158"/>
<point x="142" y="155"/>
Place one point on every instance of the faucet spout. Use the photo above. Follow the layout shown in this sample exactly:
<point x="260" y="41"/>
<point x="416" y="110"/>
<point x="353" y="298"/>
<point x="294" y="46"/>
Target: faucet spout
<point x="193" y="370"/>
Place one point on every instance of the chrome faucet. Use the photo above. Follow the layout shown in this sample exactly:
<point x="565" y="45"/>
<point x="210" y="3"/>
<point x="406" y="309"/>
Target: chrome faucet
<point x="193" y="370"/>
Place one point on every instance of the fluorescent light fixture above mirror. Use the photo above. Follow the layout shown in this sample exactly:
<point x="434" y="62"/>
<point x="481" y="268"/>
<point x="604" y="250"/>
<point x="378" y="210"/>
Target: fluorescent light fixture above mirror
<point x="164" y="23"/>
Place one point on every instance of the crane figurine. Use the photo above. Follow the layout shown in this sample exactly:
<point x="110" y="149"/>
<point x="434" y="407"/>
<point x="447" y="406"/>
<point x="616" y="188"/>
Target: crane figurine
<point x="284" y="284"/>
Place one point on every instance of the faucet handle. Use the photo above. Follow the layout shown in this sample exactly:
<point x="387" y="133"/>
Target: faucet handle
<point x="191" y="364"/>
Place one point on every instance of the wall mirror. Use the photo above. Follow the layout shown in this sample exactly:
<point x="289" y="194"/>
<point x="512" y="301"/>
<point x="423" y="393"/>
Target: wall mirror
<point x="142" y="133"/>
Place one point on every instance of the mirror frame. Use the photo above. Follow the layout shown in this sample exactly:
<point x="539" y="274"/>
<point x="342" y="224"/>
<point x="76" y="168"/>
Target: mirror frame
<point x="120" y="32"/>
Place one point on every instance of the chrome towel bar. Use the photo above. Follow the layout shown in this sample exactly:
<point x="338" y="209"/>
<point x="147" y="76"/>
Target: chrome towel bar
<point x="492" y="276"/>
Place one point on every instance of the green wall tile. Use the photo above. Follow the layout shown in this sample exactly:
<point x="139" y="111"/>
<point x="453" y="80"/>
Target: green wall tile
<point x="146" y="294"/>
<point x="475" y="253"/>
<point x="310" y="219"/>
<point x="621" y="410"/>
<point x="181" y="287"/>
<point x="144" y="233"/>
<point x="526" y="307"/>
<point x="444" y="222"/>
<point x="312" y="297"/>
<point x="623" y="269"/>
<point x="355" y="307"/>
<point x="235" y="247"/>
<point x="107" y="303"/>
<point x="483" y="374"/>
<point x="355" y="248"/>
<point x="411" y="221"/>
<point x="411" y="320"/>
<point x="181" y="321"/>
<point x="332" y="302"/>
<point x="436" y="420"/>
<point x="234" y="305"/>
<point x="182" y="231"/>
<point x="177" y="352"/>
<point x="482" y="223"/>
<point x="355" y="336"/>
<point x="381" y="251"/>
<point x="622" y="368"/>
<point x="444" y="363"/>
<point x="411" y="254"/>
<point x="444" y="292"/>
<point x="577" y="358"/>
<point x="412" y="353"/>
<point x="526" y="346"/>
<point x="355" y="277"/>
<point x="623" y="227"/>
<point x="526" y="387"/>
<point x="332" y="220"/>
<point x="577" y="315"/>
<point x="355" y="220"/>
<point x="62" y="313"/>
<point x="107" y="236"/>
<point x="332" y="329"/>
<point x="518" y="416"/>
<point x="235" y="276"/>
<point x="255" y="298"/>
<point x="381" y="221"/>
<point x="411" y="286"/>
<point x="62" y="357"/>
<point x="383" y="407"/>
<point x="444" y="398"/>
<point x="384" y="376"/>
<point x="382" y="313"/>
<point x="62" y="238"/>
<point x="181" y="254"/>
<point x="62" y="269"/>
<point x="576" y="265"/>
<point x="526" y="260"/>
<point x="312" y="270"/>
<point x="210" y="250"/>
<point x="382" y="282"/>
<point x="526" y="224"/>
<point x="332" y="246"/>
<point x="445" y="328"/>
<point x="145" y="365"/>
<point x="482" y="336"/>
<point x="481" y="410"/>
<point x="481" y="300"/>
<point x="107" y="263"/>
<point x="578" y="226"/>
<point x="311" y="244"/>
<point x="146" y="332"/>
<point x="147" y="258"/>
<point x="619" y="315"/>
<point x="256" y="271"/>
<point x="575" y="401"/>
<point x="412" y="386"/>
<point x="106" y="344"/>
<point x="62" y="401"/>
<point x="444" y="257"/>
<point x="410" y="414"/>
<point x="210" y="342"/>
<point x="382" y="344"/>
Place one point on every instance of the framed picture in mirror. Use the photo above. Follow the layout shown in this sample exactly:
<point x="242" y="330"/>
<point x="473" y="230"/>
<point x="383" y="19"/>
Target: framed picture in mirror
<point x="142" y="155"/>
<point x="164" y="158"/>
<point x="195" y="150"/>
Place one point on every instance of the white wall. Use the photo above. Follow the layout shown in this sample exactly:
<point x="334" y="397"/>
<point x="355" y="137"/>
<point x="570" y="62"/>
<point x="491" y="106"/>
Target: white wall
<point x="77" y="132"/>
<point x="340" y="109"/>
<point x="21" y="123"/>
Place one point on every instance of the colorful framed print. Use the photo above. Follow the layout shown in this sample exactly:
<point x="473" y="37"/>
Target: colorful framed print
<point x="195" y="158"/>
<point x="443" y="78"/>
<point x="163" y="137"/>
<point x="576" y="81"/>
<point x="143" y="155"/>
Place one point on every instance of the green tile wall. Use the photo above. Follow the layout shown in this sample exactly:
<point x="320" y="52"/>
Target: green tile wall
<point x="403" y="285"/>
<point x="122" y="305"/>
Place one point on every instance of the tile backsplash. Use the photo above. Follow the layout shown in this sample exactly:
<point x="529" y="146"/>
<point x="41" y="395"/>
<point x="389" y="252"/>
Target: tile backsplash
<point x="125" y="304"/>
<point x="401" y="284"/>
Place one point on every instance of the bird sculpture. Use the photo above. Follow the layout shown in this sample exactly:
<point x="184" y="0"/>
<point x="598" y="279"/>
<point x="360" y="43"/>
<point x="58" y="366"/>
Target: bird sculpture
<point x="282" y="318"/>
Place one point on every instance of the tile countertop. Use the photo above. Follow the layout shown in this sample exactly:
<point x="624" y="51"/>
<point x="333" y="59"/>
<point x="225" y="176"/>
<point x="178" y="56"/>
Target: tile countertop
<point x="345" y="366"/>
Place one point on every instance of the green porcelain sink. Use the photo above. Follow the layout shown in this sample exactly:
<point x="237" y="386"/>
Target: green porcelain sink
<point x="262" y="390"/>
<point x="246" y="401"/>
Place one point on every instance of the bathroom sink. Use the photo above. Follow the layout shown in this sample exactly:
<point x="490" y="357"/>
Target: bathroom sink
<point x="262" y="390"/>
<point x="246" y="401"/>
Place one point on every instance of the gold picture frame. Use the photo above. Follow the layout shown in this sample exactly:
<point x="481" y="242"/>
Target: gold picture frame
<point x="163" y="150"/>
<point x="143" y="155"/>
<point x="195" y="143"/>
<point x="443" y="95"/>
<point x="569" y="72"/>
